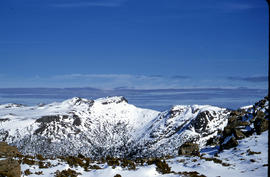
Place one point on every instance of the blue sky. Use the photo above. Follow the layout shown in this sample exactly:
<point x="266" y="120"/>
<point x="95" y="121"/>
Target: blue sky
<point x="139" y="44"/>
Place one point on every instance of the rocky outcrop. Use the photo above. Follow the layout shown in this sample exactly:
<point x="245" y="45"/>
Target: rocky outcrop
<point x="189" y="149"/>
<point x="260" y="123"/>
<point x="8" y="151"/>
<point x="229" y="142"/>
<point x="8" y="165"/>
<point x="243" y="123"/>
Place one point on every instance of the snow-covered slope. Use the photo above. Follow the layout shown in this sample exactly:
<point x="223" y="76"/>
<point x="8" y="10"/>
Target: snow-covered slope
<point x="74" y="126"/>
<point x="107" y="126"/>
<point x="196" y="123"/>
<point x="249" y="159"/>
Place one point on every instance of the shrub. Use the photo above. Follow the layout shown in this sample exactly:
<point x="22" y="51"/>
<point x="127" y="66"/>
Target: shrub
<point x="128" y="163"/>
<point x="162" y="166"/>
<point x="252" y="152"/>
<point x="27" y="161"/>
<point x="39" y="173"/>
<point x="44" y="165"/>
<point x="66" y="173"/>
<point x="27" y="172"/>
<point x="191" y="174"/>
<point x="112" y="161"/>
<point x="40" y="157"/>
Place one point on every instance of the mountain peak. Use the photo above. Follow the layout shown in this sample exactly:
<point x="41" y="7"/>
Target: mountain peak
<point x="112" y="99"/>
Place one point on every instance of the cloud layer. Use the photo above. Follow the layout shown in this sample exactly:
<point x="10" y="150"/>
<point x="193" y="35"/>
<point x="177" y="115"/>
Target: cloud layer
<point x="158" y="99"/>
<point x="111" y="81"/>
<point x="254" y="79"/>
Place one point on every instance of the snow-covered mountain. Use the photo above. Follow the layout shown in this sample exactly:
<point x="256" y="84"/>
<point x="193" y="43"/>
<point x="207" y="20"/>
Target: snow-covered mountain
<point x="107" y="126"/>
<point x="170" y="129"/>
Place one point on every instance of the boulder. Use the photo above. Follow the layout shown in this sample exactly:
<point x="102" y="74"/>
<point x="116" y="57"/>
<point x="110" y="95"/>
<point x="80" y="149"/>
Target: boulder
<point x="189" y="149"/>
<point x="8" y="166"/>
<point x="8" y="151"/>
<point x="238" y="134"/>
<point x="229" y="142"/>
<point x="260" y="125"/>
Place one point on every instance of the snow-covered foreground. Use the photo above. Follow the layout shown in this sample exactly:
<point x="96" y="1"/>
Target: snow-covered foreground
<point x="249" y="158"/>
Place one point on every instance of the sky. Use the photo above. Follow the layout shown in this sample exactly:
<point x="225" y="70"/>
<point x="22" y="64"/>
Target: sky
<point x="134" y="44"/>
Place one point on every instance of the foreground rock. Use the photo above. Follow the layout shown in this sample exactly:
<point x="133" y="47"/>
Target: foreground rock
<point x="243" y="123"/>
<point x="189" y="149"/>
<point x="8" y="165"/>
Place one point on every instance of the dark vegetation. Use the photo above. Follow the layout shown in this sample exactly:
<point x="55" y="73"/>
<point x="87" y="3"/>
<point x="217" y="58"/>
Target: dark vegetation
<point x="117" y="175"/>
<point x="190" y="174"/>
<point x="215" y="160"/>
<point x="67" y="173"/>
<point x="162" y="166"/>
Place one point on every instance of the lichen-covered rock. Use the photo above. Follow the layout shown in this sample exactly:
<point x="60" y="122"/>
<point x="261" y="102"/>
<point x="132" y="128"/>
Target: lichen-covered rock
<point x="189" y="149"/>
<point x="8" y="166"/>
<point x="8" y="151"/>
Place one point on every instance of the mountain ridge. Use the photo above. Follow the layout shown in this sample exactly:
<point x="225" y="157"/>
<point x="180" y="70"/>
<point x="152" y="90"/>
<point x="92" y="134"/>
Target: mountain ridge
<point x="107" y="126"/>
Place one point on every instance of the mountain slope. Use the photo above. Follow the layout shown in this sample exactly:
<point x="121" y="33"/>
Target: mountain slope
<point x="182" y="124"/>
<point x="107" y="126"/>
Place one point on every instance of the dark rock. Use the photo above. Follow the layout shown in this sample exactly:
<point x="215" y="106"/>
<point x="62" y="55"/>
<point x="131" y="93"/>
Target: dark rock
<point x="243" y="123"/>
<point x="201" y="121"/>
<point x="4" y="119"/>
<point x="238" y="134"/>
<point x="214" y="141"/>
<point x="229" y="142"/>
<point x="3" y="135"/>
<point x="260" y="125"/>
<point x="48" y="119"/>
<point x="189" y="149"/>
<point x="122" y="99"/>
<point x="227" y="131"/>
<point x="77" y="121"/>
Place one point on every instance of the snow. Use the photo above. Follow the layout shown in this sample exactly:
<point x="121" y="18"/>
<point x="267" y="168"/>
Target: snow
<point x="109" y="123"/>
<point x="239" y="160"/>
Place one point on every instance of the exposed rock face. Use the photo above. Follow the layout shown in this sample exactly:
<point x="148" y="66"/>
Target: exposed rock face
<point x="189" y="149"/>
<point x="201" y="121"/>
<point x="8" y="166"/>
